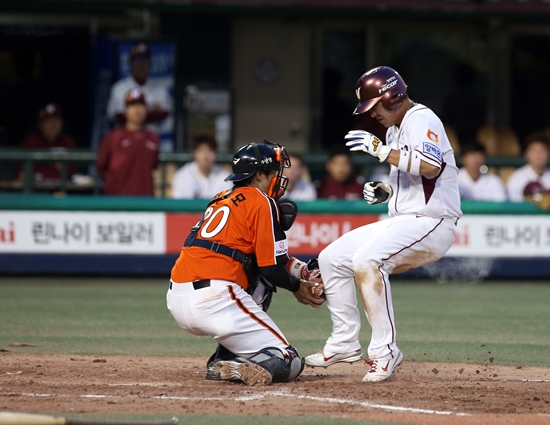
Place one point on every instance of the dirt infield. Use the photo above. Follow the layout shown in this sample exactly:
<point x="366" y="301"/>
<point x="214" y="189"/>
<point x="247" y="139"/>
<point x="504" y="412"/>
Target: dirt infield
<point x="428" y="393"/>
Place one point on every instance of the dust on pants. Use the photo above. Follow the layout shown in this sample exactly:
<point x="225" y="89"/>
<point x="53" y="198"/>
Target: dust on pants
<point x="365" y="257"/>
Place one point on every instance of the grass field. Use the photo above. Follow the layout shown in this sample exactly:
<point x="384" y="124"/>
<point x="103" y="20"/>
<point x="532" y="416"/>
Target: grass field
<point x="459" y="321"/>
<point x="435" y="322"/>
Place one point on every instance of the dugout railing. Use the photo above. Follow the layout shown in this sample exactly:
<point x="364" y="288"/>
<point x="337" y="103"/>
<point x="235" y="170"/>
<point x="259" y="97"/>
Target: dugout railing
<point x="22" y="163"/>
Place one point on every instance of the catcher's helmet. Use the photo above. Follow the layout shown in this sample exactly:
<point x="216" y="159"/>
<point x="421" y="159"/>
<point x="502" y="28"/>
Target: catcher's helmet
<point x="380" y="84"/>
<point x="261" y="157"/>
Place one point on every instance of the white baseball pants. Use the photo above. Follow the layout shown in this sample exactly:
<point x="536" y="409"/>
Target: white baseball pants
<point x="365" y="257"/>
<point x="227" y="313"/>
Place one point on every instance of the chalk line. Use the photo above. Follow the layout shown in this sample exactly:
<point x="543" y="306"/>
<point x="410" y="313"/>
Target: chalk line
<point x="252" y="397"/>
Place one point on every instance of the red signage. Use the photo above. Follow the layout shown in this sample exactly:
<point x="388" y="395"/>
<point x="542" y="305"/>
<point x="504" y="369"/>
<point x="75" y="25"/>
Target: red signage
<point x="309" y="234"/>
<point x="7" y="234"/>
<point x="178" y="227"/>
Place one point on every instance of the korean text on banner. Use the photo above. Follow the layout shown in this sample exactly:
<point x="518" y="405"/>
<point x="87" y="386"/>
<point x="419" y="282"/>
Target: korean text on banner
<point x="82" y="232"/>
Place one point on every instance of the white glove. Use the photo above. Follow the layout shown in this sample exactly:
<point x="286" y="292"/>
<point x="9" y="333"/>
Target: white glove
<point x="360" y="140"/>
<point x="377" y="192"/>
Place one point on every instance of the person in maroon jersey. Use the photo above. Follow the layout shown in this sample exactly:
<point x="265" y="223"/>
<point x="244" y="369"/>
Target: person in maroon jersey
<point x="128" y="155"/>
<point x="341" y="181"/>
<point x="49" y="136"/>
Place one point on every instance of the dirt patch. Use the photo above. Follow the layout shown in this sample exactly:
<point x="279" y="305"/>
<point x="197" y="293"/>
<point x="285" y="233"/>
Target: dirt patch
<point x="428" y="393"/>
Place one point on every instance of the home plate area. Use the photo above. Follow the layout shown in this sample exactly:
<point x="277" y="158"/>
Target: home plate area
<point x="418" y="392"/>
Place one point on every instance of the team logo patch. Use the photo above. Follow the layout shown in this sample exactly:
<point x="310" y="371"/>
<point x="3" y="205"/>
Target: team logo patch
<point x="281" y="247"/>
<point x="432" y="150"/>
<point x="433" y="136"/>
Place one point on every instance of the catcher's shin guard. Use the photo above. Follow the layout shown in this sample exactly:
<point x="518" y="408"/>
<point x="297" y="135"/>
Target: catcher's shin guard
<point x="296" y="364"/>
<point x="283" y="366"/>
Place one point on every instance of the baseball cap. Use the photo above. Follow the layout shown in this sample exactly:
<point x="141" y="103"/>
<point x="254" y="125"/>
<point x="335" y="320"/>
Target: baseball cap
<point x="49" y="110"/>
<point x="135" y="96"/>
<point x="140" y="51"/>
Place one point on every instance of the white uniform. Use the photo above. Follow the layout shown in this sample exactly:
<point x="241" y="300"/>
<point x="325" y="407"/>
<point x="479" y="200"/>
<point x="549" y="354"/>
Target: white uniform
<point x="156" y="91"/>
<point x="226" y="312"/>
<point x="520" y="178"/>
<point x="487" y="187"/>
<point x="421" y="228"/>
<point x="302" y="191"/>
<point x="190" y="183"/>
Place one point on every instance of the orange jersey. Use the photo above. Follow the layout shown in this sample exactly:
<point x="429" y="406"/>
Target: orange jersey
<point x="247" y="220"/>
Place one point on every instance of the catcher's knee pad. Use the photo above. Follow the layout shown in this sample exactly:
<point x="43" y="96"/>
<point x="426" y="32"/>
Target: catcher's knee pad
<point x="283" y="365"/>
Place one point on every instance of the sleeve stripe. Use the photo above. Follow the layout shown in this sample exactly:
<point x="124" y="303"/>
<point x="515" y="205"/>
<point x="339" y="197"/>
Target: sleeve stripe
<point x="277" y="233"/>
<point x="430" y="159"/>
<point x="274" y="210"/>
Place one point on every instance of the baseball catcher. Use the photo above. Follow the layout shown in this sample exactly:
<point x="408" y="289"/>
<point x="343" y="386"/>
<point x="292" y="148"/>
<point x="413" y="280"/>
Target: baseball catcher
<point x="231" y="263"/>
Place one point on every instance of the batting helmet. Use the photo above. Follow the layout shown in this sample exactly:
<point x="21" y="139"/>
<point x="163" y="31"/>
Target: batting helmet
<point x="380" y="84"/>
<point x="261" y="157"/>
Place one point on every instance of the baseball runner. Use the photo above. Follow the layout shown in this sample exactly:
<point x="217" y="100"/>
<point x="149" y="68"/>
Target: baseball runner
<point x="214" y="287"/>
<point x="424" y="207"/>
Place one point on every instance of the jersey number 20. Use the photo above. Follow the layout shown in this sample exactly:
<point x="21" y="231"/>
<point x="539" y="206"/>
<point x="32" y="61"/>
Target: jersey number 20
<point x="209" y="217"/>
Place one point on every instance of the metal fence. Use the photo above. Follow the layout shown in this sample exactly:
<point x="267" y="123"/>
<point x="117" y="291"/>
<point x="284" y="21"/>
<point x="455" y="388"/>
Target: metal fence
<point x="89" y="182"/>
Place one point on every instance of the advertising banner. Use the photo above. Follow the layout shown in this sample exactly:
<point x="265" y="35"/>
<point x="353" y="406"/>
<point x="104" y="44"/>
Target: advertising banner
<point x="82" y="232"/>
<point x="309" y="234"/>
<point x="488" y="236"/>
<point x="502" y="236"/>
<point x="178" y="227"/>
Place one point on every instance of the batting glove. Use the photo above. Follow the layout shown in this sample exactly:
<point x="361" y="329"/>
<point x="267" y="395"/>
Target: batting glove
<point x="360" y="140"/>
<point x="305" y="271"/>
<point x="377" y="192"/>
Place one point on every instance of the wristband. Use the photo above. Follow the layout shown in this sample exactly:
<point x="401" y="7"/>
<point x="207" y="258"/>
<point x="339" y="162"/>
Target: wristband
<point x="295" y="267"/>
<point x="403" y="161"/>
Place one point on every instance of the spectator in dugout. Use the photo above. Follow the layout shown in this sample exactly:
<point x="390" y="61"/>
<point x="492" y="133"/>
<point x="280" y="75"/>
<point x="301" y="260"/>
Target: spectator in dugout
<point x="534" y="177"/>
<point x="474" y="183"/>
<point x="341" y="182"/>
<point x="128" y="155"/>
<point x="158" y="103"/>
<point x="299" y="188"/>
<point x="50" y="136"/>
<point x="201" y="178"/>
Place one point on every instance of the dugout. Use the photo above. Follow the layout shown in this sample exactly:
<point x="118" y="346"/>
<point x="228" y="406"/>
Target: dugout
<point x="291" y="66"/>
